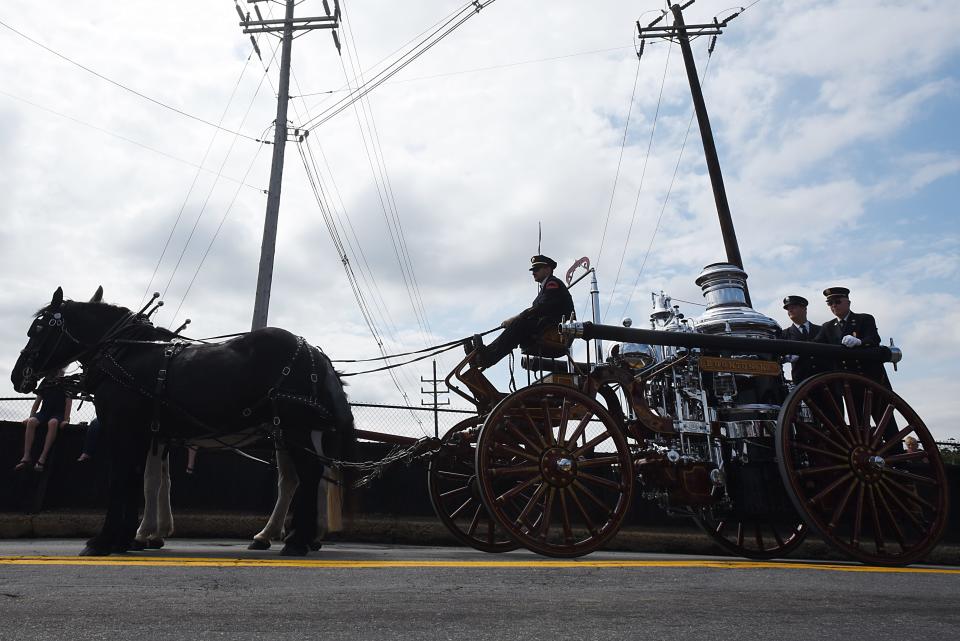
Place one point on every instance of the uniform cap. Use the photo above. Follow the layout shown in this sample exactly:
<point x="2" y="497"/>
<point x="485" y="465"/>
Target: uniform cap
<point x="836" y="292"/>
<point x="795" y="300"/>
<point x="538" y="260"/>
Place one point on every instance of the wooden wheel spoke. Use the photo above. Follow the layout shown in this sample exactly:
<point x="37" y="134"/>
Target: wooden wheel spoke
<point x="826" y="422"/>
<point x="910" y="476"/>
<point x="592" y="443"/>
<point x="897" y="532"/>
<point x="446" y="474"/>
<point x="521" y="519"/>
<point x="882" y="426"/>
<point x="852" y="412"/>
<point x="810" y="471"/>
<point x="564" y="417"/>
<point x="907" y="456"/>
<point x="547" y="509"/>
<point x="534" y="429"/>
<point x="740" y="534"/>
<point x="590" y="495"/>
<point x="758" y="535"/>
<point x="776" y="536"/>
<point x="830" y="488"/>
<point x="547" y="426"/>
<point x="838" y="512"/>
<point x="578" y="431"/>
<point x="501" y="448"/>
<point x="866" y="414"/>
<point x="565" y="518"/>
<point x="583" y="512"/>
<point x="911" y="514"/>
<point x="500" y="472"/>
<point x="517" y="489"/>
<point x="460" y="509"/>
<point x="877" y="530"/>
<point x="475" y="520"/>
<point x="821" y="436"/>
<point x="598" y="461"/>
<point x="817" y="450"/>
<point x="520" y="436"/>
<point x="858" y="518"/>
<point x="912" y="495"/>
<point x="895" y="440"/>
<point x="599" y="480"/>
<point x="838" y="412"/>
<point x="455" y="491"/>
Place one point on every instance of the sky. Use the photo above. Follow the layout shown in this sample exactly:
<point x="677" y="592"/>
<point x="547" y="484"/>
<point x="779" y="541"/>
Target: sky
<point x="834" y="123"/>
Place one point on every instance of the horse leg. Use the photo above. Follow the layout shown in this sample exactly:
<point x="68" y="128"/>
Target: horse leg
<point x="126" y="472"/>
<point x="152" y="479"/>
<point x="303" y="530"/>
<point x="287" y="482"/>
<point x="164" y="509"/>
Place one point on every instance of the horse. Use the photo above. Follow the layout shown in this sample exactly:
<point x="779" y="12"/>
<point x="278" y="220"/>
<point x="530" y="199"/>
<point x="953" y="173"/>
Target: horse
<point x="157" y="521"/>
<point x="150" y="387"/>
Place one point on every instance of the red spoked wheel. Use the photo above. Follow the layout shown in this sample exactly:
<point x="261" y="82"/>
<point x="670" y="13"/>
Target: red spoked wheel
<point x="853" y="473"/>
<point x="455" y="492"/>
<point x="752" y="538"/>
<point x="555" y="470"/>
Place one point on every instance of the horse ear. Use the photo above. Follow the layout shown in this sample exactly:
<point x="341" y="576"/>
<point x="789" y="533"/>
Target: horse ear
<point x="57" y="299"/>
<point x="98" y="296"/>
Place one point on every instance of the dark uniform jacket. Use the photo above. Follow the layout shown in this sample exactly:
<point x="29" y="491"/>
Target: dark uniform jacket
<point x="551" y="305"/>
<point x="807" y="366"/>
<point x="862" y="326"/>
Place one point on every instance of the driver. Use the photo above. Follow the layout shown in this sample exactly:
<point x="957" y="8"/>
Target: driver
<point x="551" y="305"/>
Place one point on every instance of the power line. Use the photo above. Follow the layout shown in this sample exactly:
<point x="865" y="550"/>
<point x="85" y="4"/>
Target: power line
<point x="122" y="86"/>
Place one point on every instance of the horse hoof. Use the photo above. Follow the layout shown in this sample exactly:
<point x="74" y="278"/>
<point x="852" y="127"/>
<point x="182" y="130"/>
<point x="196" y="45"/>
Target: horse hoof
<point x="155" y="544"/>
<point x="257" y="544"/>
<point x="294" y="549"/>
<point x="138" y="545"/>
<point x="315" y="546"/>
<point x="91" y="551"/>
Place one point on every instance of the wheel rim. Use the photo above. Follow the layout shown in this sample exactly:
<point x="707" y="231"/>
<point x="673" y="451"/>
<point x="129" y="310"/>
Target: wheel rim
<point x="843" y="456"/>
<point x="752" y="538"/>
<point x="455" y="494"/>
<point x="555" y="470"/>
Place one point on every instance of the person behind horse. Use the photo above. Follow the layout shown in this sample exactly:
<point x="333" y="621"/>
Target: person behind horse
<point x="551" y="305"/>
<point x="803" y="330"/>
<point x="54" y="411"/>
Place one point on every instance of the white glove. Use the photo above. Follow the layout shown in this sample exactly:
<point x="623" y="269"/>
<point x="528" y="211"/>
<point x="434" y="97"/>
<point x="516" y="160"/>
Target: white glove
<point x="793" y="358"/>
<point x="851" y="341"/>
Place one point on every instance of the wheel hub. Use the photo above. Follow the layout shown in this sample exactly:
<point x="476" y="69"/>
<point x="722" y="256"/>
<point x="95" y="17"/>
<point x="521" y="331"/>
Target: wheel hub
<point x="867" y="465"/>
<point x="558" y="467"/>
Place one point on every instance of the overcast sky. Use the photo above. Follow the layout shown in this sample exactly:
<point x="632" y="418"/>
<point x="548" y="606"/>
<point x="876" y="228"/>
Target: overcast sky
<point x="835" y="124"/>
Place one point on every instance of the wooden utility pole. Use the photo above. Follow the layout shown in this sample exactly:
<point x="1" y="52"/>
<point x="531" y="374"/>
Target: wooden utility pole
<point x="435" y="403"/>
<point x="285" y="28"/>
<point x="682" y="32"/>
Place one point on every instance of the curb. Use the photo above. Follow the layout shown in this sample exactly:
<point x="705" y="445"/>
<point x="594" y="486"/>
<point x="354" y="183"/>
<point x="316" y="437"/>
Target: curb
<point x="392" y="530"/>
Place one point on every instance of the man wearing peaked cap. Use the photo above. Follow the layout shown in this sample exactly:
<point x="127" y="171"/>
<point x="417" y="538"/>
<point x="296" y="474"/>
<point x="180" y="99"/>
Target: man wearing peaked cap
<point x="551" y="305"/>
<point x="851" y="330"/>
<point x="800" y="329"/>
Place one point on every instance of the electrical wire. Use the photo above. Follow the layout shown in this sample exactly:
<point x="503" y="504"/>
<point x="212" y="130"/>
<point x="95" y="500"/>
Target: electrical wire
<point x="121" y="85"/>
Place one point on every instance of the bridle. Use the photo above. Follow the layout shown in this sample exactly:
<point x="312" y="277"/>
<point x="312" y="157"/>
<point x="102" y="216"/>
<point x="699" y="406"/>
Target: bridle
<point x="53" y="319"/>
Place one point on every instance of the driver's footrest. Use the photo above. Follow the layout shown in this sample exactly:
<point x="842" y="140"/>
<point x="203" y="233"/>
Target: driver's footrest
<point x="481" y="387"/>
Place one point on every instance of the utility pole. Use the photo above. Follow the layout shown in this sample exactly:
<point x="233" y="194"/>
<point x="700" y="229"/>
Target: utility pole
<point x="681" y="32"/>
<point x="435" y="403"/>
<point x="285" y="27"/>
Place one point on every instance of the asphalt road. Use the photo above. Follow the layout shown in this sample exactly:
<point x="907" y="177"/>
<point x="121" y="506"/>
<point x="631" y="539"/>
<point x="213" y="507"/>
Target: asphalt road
<point x="217" y="589"/>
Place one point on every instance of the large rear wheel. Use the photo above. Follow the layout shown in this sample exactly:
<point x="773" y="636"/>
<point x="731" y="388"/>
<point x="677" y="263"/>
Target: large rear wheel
<point x="862" y="469"/>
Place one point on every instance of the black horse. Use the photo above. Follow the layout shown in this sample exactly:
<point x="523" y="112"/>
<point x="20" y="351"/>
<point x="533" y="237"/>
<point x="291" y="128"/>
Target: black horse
<point x="150" y="387"/>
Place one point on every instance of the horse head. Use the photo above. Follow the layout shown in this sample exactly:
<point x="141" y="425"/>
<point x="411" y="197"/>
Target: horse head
<point x="62" y="332"/>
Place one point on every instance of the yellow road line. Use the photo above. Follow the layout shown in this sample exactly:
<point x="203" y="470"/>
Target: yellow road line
<point x="538" y="564"/>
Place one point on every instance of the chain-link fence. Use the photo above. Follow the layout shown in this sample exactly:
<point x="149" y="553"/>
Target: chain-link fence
<point x="388" y="419"/>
